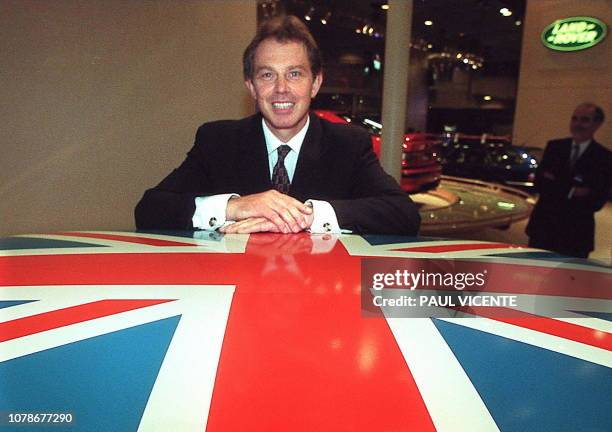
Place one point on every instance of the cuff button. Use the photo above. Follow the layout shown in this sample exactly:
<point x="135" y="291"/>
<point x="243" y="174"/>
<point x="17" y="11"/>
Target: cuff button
<point x="212" y="221"/>
<point x="327" y="227"/>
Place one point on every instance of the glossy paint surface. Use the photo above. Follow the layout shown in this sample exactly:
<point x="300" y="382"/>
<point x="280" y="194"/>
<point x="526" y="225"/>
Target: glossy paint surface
<point x="271" y="334"/>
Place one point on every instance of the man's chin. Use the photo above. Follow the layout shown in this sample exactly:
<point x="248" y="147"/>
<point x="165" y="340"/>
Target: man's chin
<point x="580" y="138"/>
<point x="285" y="123"/>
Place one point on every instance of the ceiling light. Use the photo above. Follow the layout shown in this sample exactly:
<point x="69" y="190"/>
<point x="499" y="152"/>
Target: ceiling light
<point x="384" y="7"/>
<point x="487" y="98"/>
<point x="430" y="46"/>
<point x="325" y="18"/>
<point x="505" y="12"/>
<point x="428" y="23"/>
<point x="518" y="22"/>
<point x="308" y="15"/>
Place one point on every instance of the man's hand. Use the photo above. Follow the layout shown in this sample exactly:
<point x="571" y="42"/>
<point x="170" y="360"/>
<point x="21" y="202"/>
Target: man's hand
<point x="250" y="225"/>
<point x="286" y="213"/>
<point x="256" y="224"/>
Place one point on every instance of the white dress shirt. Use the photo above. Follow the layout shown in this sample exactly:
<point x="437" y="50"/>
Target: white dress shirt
<point x="210" y="211"/>
<point x="582" y="146"/>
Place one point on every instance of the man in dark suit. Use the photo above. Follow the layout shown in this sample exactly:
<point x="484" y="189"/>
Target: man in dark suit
<point x="573" y="180"/>
<point x="281" y="170"/>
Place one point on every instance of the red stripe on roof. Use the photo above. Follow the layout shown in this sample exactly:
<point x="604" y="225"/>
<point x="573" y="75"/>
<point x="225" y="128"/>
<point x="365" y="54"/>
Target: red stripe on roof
<point x="551" y="326"/>
<point x="62" y="317"/>
<point x="127" y="239"/>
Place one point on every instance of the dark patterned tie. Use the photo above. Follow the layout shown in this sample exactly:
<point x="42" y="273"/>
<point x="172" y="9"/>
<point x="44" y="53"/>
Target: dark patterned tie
<point x="280" y="178"/>
<point x="574" y="154"/>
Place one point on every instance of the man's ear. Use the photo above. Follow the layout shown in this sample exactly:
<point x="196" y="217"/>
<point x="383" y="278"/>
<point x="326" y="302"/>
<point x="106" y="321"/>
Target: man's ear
<point x="316" y="85"/>
<point x="249" y="85"/>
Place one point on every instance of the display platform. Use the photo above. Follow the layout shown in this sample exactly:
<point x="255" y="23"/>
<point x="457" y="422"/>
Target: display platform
<point x="181" y="331"/>
<point x="460" y="204"/>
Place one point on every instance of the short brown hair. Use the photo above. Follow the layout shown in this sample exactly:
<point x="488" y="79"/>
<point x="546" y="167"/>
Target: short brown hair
<point x="286" y="28"/>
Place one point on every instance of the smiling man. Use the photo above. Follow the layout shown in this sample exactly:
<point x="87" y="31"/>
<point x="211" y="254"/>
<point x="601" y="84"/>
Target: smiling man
<point x="283" y="169"/>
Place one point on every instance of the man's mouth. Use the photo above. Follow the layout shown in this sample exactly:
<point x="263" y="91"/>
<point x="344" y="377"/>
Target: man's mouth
<point x="282" y="105"/>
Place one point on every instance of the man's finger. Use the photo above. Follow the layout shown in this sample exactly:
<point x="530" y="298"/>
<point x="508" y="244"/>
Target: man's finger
<point x="251" y="225"/>
<point x="235" y="227"/>
<point x="272" y="214"/>
<point x="257" y="226"/>
<point x="292" y="202"/>
<point x="292" y="222"/>
<point x="288" y="209"/>
<point x="298" y="216"/>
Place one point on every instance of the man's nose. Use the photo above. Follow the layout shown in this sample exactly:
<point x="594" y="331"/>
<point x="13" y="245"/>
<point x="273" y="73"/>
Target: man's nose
<point x="281" y="84"/>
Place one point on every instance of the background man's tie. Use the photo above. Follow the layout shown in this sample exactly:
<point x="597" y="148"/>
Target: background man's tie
<point x="280" y="178"/>
<point x="574" y="154"/>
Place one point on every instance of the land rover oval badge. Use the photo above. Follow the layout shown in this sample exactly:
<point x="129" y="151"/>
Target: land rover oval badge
<point x="574" y="33"/>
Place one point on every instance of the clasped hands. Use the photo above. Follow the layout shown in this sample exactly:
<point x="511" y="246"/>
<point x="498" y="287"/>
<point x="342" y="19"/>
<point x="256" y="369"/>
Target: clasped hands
<point x="269" y="211"/>
<point x="579" y="191"/>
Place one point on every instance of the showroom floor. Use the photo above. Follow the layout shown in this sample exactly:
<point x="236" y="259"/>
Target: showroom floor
<point x="516" y="234"/>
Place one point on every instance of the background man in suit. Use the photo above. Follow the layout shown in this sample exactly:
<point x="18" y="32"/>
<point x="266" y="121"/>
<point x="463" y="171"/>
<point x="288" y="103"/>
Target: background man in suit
<point x="573" y="180"/>
<point x="281" y="170"/>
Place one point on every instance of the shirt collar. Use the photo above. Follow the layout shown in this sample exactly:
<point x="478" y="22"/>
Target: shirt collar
<point x="583" y="144"/>
<point x="272" y="141"/>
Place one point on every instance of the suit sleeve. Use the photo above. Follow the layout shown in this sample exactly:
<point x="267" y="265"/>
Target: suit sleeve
<point x="377" y="205"/>
<point x="597" y="178"/>
<point x="171" y="204"/>
<point x="552" y="164"/>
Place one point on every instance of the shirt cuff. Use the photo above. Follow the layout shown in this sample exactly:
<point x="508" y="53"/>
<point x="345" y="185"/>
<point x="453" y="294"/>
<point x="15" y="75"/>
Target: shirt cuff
<point x="210" y="211"/>
<point x="324" y="218"/>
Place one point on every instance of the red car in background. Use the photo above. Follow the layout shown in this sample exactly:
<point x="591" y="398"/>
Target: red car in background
<point x="421" y="169"/>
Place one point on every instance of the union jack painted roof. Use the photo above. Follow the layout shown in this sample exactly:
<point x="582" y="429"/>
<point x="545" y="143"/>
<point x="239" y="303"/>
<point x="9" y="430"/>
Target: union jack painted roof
<point x="181" y="331"/>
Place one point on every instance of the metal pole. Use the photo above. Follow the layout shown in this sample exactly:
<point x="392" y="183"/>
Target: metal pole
<point x="395" y="84"/>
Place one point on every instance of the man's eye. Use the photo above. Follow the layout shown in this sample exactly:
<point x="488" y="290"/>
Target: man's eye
<point x="266" y="75"/>
<point x="295" y="74"/>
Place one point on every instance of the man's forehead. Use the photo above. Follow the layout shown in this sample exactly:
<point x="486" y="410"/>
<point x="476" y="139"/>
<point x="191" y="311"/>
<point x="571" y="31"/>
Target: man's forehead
<point x="584" y="110"/>
<point x="263" y="65"/>
<point x="271" y="50"/>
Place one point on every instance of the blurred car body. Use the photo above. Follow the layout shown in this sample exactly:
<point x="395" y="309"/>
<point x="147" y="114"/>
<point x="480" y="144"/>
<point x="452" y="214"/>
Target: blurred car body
<point x="489" y="158"/>
<point x="421" y="170"/>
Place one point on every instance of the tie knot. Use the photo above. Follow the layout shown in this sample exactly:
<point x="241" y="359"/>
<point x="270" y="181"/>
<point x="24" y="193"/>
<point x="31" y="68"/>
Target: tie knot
<point x="282" y="152"/>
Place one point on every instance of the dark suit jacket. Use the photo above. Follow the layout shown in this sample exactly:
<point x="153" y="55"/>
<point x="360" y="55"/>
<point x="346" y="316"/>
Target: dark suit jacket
<point x="336" y="164"/>
<point x="559" y="223"/>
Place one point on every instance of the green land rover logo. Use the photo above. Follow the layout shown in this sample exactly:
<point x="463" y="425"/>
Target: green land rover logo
<point x="573" y="34"/>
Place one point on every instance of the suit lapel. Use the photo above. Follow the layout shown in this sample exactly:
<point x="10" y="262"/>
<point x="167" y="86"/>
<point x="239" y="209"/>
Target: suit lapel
<point x="568" y="148"/>
<point x="254" y="158"/>
<point x="586" y="155"/>
<point x="309" y="159"/>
